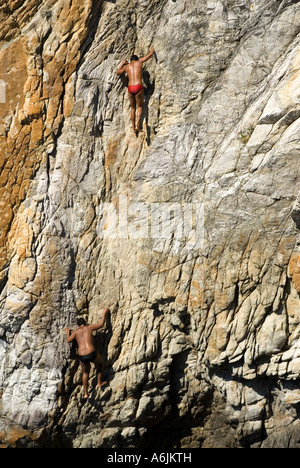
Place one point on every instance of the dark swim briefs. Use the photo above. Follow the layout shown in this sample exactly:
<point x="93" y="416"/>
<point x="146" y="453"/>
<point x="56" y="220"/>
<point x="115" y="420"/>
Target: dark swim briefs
<point x="86" y="358"/>
<point x="135" y="89"/>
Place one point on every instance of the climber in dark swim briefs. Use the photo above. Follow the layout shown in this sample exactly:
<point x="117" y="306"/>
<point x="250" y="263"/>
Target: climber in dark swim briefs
<point x="86" y="350"/>
<point x="88" y="357"/>
<point x="134" y="70"/>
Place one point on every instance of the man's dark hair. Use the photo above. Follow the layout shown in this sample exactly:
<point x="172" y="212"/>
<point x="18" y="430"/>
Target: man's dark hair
<point x="80" y="322"/>
<point x="133" y="58"/>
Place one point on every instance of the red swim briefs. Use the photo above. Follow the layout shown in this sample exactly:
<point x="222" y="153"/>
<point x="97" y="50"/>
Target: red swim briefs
<point x="135" y="89"/>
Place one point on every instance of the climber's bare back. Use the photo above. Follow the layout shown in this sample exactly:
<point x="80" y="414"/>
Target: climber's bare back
<point x="134" y="72"/>
<point x="84" y="335"/>
<point x="85" y="340"/>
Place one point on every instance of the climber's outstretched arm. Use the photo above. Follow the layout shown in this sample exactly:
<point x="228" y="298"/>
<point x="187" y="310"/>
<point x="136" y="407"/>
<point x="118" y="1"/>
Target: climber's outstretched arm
<point x="101" y="323"/>
<point x="144" y="59"/>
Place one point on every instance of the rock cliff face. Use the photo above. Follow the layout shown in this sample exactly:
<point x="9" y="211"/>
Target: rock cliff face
<point x="189" y="232"/>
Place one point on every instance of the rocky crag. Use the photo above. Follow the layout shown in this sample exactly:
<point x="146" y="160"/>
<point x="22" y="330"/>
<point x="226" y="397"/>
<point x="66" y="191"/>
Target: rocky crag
<point x="189" y="232"/>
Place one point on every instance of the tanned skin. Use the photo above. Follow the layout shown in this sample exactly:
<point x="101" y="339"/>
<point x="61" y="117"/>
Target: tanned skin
<point x="134" y="71"/>
<point x="85" y="340"/>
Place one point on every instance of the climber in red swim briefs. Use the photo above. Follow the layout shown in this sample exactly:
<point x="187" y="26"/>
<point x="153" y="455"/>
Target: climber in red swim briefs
<point x="134" y="71"/>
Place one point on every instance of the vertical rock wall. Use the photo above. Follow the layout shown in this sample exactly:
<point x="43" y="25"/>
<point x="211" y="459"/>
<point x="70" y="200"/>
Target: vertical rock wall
<point x="187" y="232"/>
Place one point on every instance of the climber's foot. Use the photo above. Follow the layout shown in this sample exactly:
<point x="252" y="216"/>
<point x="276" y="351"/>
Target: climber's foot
<point x="102" y="384"/>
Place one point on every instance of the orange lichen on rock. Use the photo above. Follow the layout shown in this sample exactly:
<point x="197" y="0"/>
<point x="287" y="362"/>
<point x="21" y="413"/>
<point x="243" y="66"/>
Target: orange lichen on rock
<point x="36" y="95"/>
<point x="294" y="270"/>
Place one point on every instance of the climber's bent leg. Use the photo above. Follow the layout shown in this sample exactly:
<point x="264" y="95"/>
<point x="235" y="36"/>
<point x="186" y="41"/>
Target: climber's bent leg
<point x="133" y="109"/>
<point x="85" y="376"/>
<point x="99" y="363"/>
<point x="139" y="111"/>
